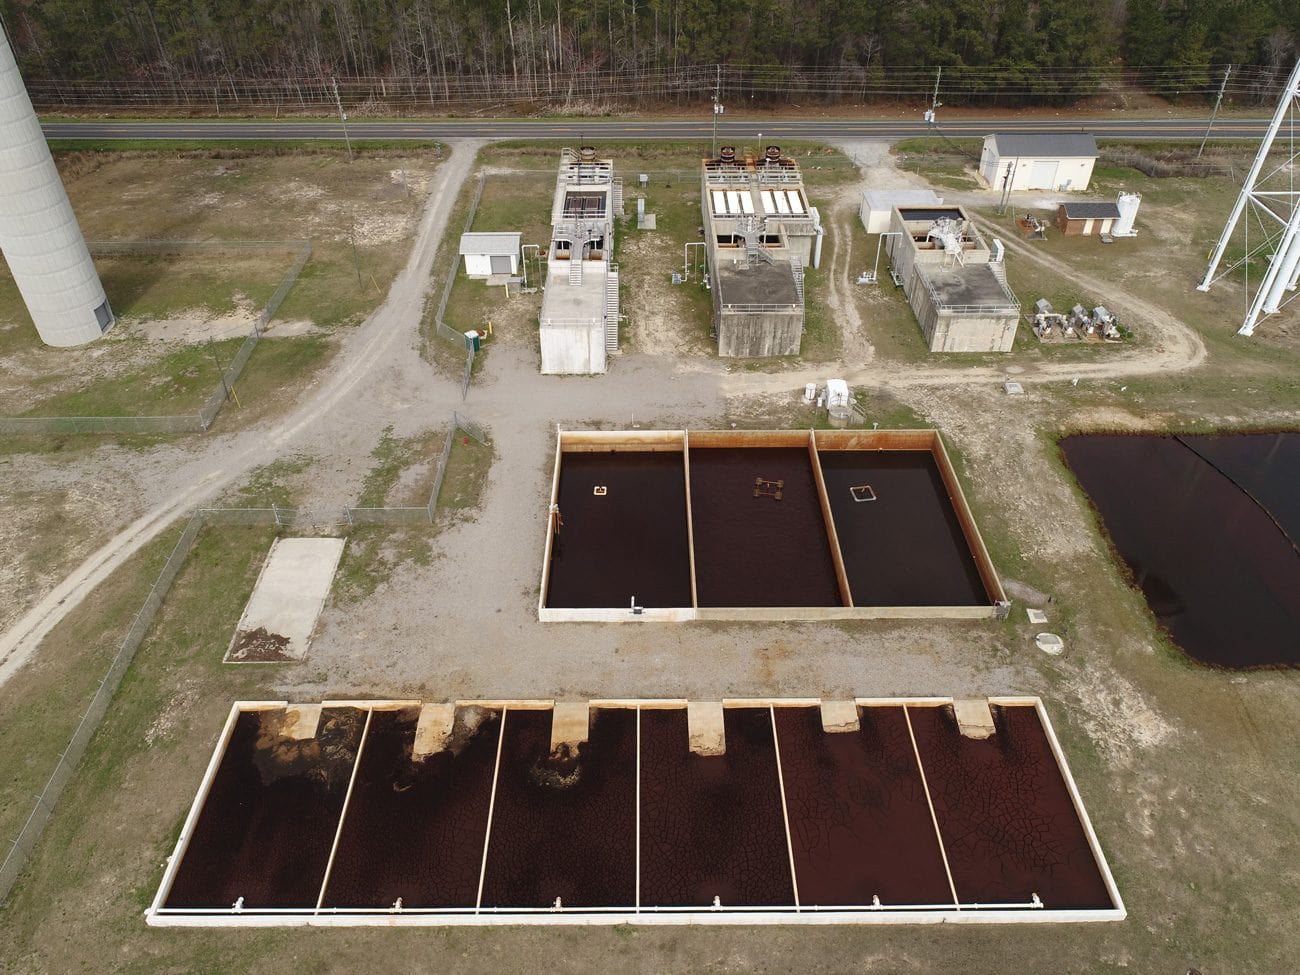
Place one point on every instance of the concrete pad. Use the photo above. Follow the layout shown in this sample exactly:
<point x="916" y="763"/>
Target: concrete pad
<point x="708" y="735"/>
<point x="433" y="729"/>
<point x="974" y="718"/>
<point x="1050" y="643"/>
<point x="570" y="723"/>
<point x="840" y="716"/>
<point x="1035" y="615"/>
<point x="281" y="613"/>
<point x="301" y="721"/>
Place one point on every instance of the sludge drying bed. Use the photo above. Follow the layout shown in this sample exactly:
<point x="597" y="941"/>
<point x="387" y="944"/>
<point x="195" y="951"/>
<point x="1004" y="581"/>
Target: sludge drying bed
<point x="642" y="812"/>
<point x="754" y="525"/>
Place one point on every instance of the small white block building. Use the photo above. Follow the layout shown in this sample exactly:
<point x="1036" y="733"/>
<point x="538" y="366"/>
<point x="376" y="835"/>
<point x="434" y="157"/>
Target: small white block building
<point x="486" y="254"/>
<point x="877" y="207"/>
<point x="1057" y="161"/>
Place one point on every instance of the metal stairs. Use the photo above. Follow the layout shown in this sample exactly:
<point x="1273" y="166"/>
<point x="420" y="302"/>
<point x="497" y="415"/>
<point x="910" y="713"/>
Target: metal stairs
<point x="796" y="268"/>
<point x="611" y="309"/>
<point x="575" y="268"/>
<point x="616" y="195"/>
<point x="999" y="270"/>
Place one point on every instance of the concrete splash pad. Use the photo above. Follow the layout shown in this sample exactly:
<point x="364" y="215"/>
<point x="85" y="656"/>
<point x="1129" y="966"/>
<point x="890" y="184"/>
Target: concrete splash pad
<point x="281" y="614"/>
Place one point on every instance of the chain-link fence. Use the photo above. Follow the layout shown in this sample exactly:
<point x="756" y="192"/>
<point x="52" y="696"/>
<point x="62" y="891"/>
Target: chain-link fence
<point x="339" y="519"/>
<point x="183" y="423"/>
<point x="441" y="328"/>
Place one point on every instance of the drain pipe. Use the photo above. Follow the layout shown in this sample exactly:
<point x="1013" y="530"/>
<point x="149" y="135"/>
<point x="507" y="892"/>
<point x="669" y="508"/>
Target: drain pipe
<point x="875" y="268"/>
<point x="686" y="258"/>
<point x="817" y="247"/>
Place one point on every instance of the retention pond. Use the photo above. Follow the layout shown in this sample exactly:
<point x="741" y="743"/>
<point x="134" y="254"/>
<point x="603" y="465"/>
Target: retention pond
<point x="1208" y="527"/>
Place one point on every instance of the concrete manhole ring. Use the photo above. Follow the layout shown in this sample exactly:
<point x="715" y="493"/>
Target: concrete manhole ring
<point x="1050" y="643"/>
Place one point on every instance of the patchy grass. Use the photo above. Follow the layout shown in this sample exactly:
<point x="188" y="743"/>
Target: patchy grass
<point x="142" y="762"/>
<point x="467" y="470"/>
<point x="270" y="484"/>
<point x="404" y="467"/>
<point x="42" y="703"/>
<point x="408" y="461"/>
<point x="181" y="381"/>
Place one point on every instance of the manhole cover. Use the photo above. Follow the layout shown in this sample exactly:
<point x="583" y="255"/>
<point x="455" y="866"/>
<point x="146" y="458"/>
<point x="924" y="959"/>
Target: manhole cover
<point x="1050" y="643"/>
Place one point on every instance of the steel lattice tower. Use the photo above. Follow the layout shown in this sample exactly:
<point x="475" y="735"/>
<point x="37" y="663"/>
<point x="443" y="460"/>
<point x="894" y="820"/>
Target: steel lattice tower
<point x="1270" y="203"/>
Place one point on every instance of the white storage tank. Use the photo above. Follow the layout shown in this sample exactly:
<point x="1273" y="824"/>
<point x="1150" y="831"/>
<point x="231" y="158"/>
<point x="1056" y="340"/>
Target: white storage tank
<point x="1128" y="211"/>
<point x="39" y="235"/>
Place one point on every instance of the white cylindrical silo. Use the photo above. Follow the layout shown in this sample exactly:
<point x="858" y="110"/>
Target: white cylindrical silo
<point x="1128" y="209"/>
<point x="39" y="235"/>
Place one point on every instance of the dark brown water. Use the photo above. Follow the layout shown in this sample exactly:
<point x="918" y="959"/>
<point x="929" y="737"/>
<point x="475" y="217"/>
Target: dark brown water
<point x="268" y="824"/>
<point x="859" y="821"/>
<point x="1266" y="465"/>
<point x="906" y="548"/>
<point x="566" y="828"/>
<point x="415" y="829"/>
<point x="1218" y="572"/>
<point x="759" y="551"/>
<point x="1008" y="825"/>
<point x="630" y="542"/>
<point x="711" y="826"/>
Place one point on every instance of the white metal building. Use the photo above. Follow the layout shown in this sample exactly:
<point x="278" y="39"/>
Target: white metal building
<point x="1058" y="161"/>
<point x="490" y="253"/>
<point x="39" y="235"/>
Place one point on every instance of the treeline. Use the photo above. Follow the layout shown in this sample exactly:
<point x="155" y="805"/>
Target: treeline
<point x="1059" y="47"/>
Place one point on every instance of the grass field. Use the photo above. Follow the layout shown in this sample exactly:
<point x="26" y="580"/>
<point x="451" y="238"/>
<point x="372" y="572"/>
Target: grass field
<point x="359" y="215"/>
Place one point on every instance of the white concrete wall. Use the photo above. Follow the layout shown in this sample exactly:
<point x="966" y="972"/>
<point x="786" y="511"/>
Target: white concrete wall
<point x="39" y="235"/>
<point x="577" y="349"/>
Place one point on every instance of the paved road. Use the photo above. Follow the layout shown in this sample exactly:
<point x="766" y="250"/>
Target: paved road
<point x="579" y="129"/>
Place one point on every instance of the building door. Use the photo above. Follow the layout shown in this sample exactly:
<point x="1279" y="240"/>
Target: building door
<point x="501" y="264"/>
<point x="1042" y="174"/>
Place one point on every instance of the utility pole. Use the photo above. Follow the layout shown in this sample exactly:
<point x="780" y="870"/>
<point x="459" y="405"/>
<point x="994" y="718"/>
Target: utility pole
<point x="717" y="106"/>
<point x="1007" y="180"/>
<point x="343" y="118"/>
<point x="1223" y="85"/>
<point x="934" y="99"/>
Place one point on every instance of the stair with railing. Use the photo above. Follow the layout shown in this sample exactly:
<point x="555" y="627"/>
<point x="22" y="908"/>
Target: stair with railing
<point x="796" y="268"/>
<point x="616" y="195"/>
<point x="611" y="309"/>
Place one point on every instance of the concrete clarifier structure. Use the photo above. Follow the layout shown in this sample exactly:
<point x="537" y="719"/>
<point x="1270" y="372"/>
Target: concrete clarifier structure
<point x="39" y="234"/>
